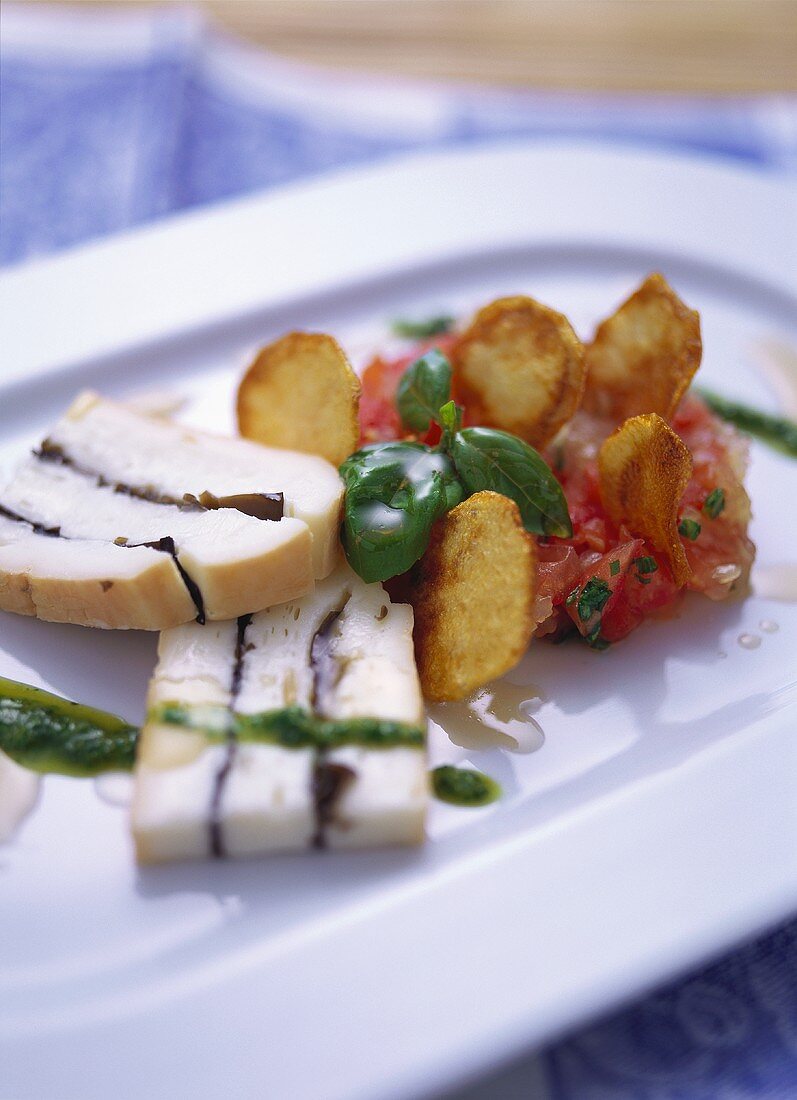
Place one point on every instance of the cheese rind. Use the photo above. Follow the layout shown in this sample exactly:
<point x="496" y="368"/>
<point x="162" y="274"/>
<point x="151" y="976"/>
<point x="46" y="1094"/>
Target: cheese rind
<point x="89" y="583"/>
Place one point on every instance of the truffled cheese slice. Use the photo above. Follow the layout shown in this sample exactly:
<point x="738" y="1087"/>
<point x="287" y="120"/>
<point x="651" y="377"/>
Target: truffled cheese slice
<point x="89" y="583"/>
<point x="95" y="570"/>
<point x="177" y="459"/>
<point x="372" y="645"/>
<point x="267" y="802"/>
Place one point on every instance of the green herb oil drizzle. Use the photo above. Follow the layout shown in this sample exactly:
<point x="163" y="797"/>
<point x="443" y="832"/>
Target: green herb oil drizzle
<point x="46" y="733"/>
<point x="463" y="786"/>
<point x="778" y="431"/>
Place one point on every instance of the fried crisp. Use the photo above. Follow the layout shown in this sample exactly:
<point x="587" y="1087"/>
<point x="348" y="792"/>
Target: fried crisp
<point x="520" y="367"/>
<point x="300" y="393"/>
<point x="644" y="356"/>
<point x="473" y="595"/>
<point x="643" y="469"/>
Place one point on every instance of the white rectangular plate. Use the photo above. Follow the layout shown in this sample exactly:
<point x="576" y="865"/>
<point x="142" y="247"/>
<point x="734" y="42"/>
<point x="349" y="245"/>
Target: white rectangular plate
<point x="655" y="827"/>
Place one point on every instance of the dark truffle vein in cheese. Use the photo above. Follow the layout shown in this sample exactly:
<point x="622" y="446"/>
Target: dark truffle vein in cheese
<point x="329" y="780"/>
<point x="265" y="506"/>
<point x="166" y="546"/>
<point x="215" y="824"/>
<point x="252" y="526"/>
<point x="325" y="668"/>
<point x="163" y="545"/>
<point x="329" y="783"/>
<point x="328" y="741"/>
<point x="35" y="526"/>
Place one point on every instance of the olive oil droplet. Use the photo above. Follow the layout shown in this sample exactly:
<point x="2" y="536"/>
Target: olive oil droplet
<point x="497" y="716"/>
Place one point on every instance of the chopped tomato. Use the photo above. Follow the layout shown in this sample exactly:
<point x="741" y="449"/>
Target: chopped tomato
<point x="642" y="594"/>
<point x="379" y="418"/>
<point x="598" y="594"/>
<point x="558" y="571"/>
<point x="722" y="554"/>
<point x="630" y="580"/>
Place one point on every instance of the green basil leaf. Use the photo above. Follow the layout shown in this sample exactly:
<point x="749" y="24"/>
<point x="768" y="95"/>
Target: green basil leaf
<point x="423" y="388"/>
<point x="449" y="417"/>
<point x="486" y="458"/>
<point x="422" y="330"/>
<point x="394" y="494"/>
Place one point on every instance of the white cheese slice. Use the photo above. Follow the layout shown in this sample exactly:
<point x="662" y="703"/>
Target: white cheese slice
<point x="175" y="459"/>
<point x="385" y="803"/>
<point x="277" y="672"/>
<point x="195" y="666"/>
<point x="89" y="583"/>
<point x="171" y="807"/>
<point x="267" y="802"/>
<point x="237" y="562"/>
<point x="372" y="645"/>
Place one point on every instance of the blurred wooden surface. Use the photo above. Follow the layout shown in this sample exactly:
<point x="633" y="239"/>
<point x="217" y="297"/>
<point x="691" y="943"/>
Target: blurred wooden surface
<point x="716" y="46"/>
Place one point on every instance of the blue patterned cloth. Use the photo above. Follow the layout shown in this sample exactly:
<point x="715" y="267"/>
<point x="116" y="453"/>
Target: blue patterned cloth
<point x="109" y="119"/>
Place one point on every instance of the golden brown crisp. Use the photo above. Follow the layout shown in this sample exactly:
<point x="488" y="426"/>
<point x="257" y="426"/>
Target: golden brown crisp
<point x="643" y="469"/>
<point x="473" y="596"/>
<point x="520" y="367"/>
<point x="644" y="356"/>
<point x="300" y="393"/>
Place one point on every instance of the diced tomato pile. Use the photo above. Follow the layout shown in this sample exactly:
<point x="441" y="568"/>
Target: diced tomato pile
<point x="379" y="418"/>
<point x="604" y="581"/>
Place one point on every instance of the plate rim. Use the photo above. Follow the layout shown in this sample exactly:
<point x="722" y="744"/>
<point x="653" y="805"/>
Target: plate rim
<point x="102" y="276"/>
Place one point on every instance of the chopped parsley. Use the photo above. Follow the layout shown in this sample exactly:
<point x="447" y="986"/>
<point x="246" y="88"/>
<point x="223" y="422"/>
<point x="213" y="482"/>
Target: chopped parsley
<point x="614" y="567"/>
<point x="593" y="598"/>
<point x="421" y="330"/>
<point x="714" y="503"/>
<point x="594" y="640"/>
<point x="647" y="564"/>
<point x="689" y="528"/>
